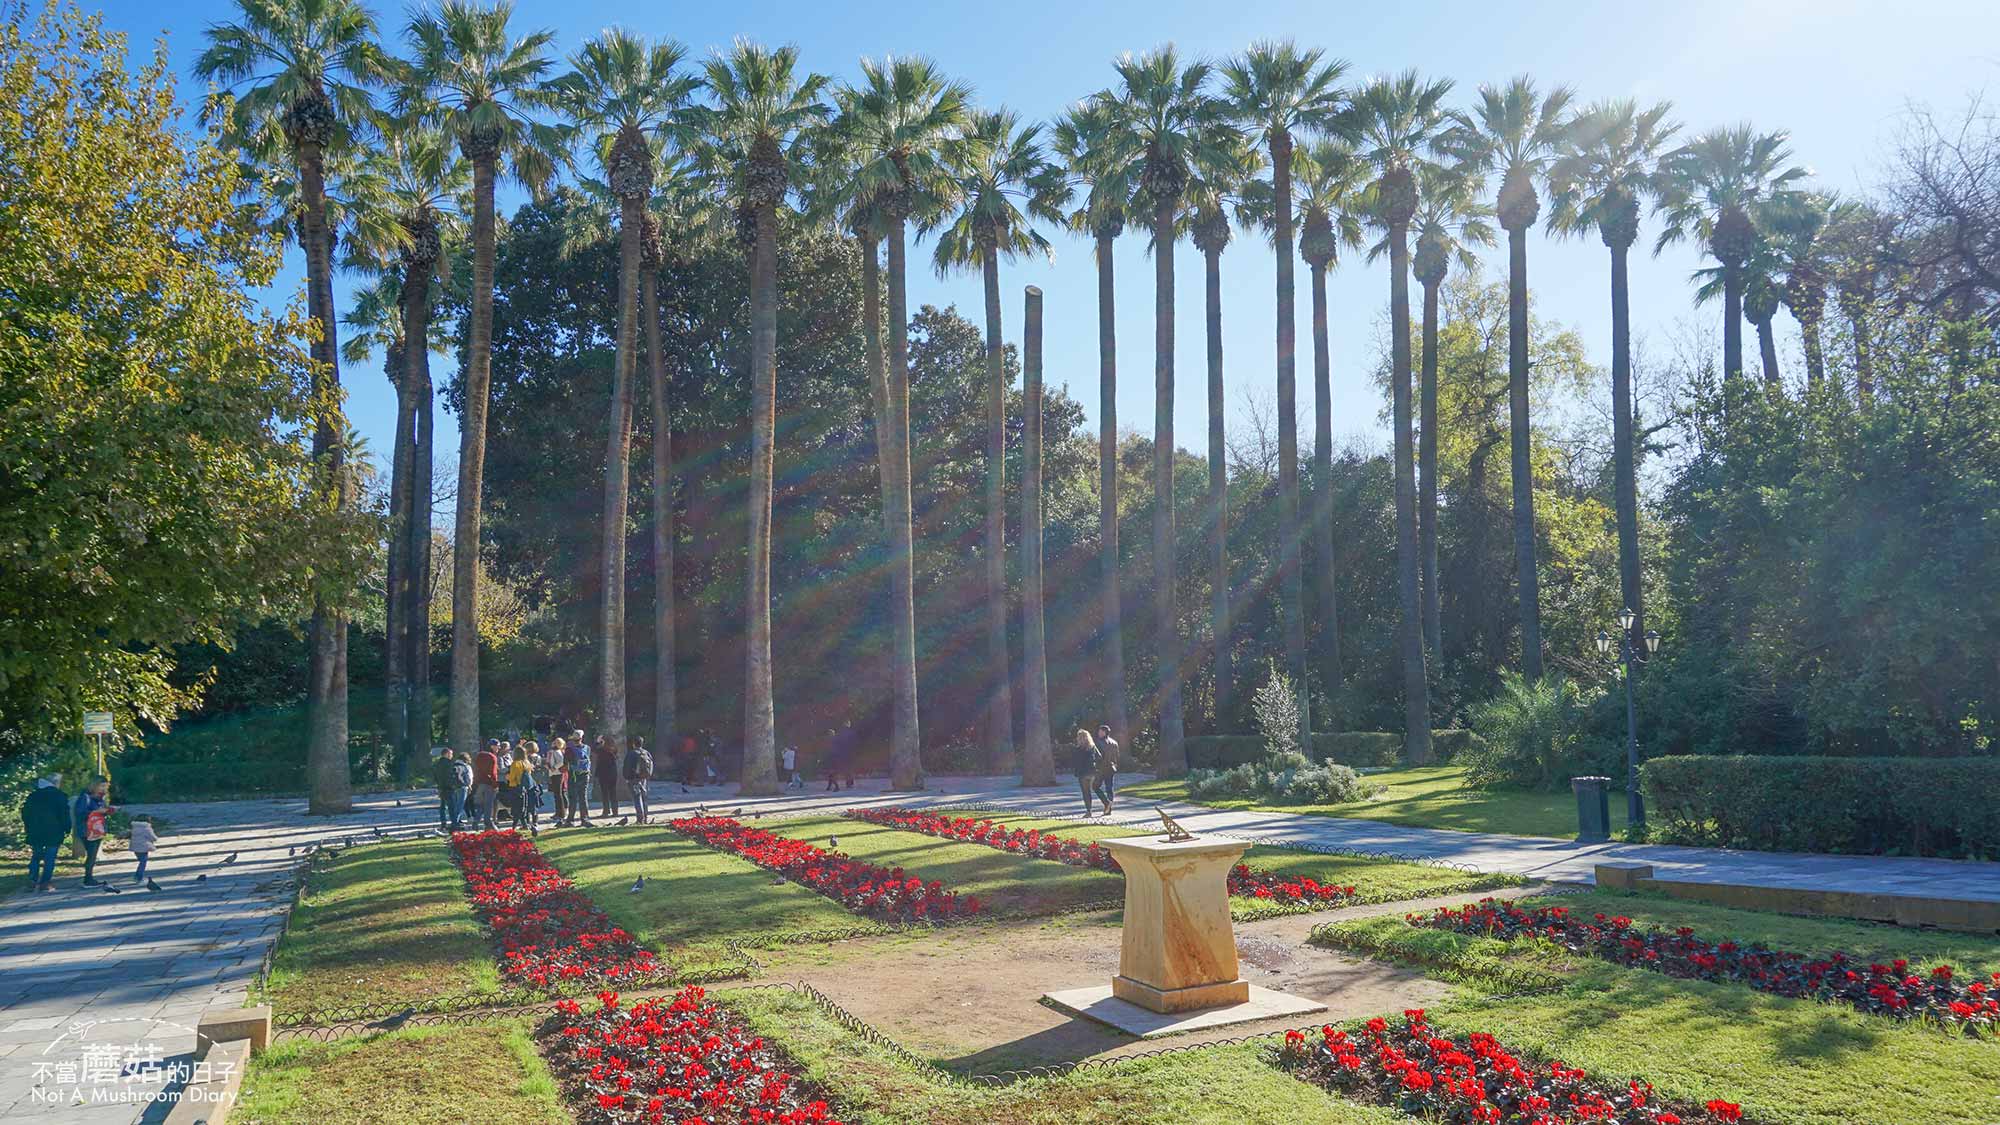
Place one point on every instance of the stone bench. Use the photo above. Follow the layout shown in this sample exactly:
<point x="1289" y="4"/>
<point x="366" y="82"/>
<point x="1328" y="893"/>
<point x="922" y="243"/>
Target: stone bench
<point x="1967" y="915"/>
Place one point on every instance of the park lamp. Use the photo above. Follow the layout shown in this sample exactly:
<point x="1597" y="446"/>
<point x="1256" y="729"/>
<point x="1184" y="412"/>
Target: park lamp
<point x="1652" y="642"/>
<point x="1603" y="643"/>
<point x="1625" y="619"/>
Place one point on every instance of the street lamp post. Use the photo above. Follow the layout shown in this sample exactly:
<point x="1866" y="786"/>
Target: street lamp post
<point x="1628" y="654"/>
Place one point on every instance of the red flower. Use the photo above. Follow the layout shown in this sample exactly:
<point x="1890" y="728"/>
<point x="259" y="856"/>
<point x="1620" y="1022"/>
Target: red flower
<point x="860" y="887"/>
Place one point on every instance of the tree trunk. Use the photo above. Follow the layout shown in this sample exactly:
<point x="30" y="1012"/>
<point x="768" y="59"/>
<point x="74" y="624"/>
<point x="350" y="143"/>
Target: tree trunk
<point x="1767" y="351"/>
<point x="760" y="762"/>
<point x="464" y="723"/>
<point x="1732" y="325"/>
<point x="618" y="475"/>
<point x="1324" y="576"/>
<point x="1523" y="464"/>
<point x="905" y="751"/>
<point x="396" y="593"/>
<point x="666" y="718"/>
<point x="1416" y="689"/>
<point x="999" y="694"/>
<point x="1290" y="534"/>
<point x="1107" y="492"/>
<point x="1167" y="643"/>
<point x="1864" y="357"/>
<point x="1218" y="502"/>
<point x="418" y="658"/>
<point x="1815" y="351"/>
<point x="1624" y="458"/>
<point x="1038" y="755"/>
<point x="326" y="685"/>
<point x="1427" y="486"/>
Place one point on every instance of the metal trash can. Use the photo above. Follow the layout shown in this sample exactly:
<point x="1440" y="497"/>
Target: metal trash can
<point x="1593" y="809"/>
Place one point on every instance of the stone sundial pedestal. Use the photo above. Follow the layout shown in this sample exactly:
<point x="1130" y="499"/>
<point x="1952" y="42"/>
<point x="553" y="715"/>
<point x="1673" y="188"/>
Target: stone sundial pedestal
<point x="1177" y="964"/>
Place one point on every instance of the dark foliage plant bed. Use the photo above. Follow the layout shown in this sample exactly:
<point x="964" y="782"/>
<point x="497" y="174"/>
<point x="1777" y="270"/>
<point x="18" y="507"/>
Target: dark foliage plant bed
<point x="879" y="892"/>
<point x="680" y="1061"/>
<point x="1475" y="1081"/>
<point x="1896" y="990"/>
<point x="1243" y="880"/>
<point x="549" y="933"/>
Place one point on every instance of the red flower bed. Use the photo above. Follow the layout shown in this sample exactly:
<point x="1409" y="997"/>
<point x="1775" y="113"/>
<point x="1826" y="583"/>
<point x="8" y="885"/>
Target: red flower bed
<point x="1427" y="1074"/>
<point x="883" y="892"/>
<point x="684" y="1061"/>
<point x="549" y="933"/>
<point x="1243" y="880"/>
<point x="1894" y="989"/>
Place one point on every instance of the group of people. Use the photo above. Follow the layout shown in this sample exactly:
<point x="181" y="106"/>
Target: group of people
<point x="49" y="816"/>
<point x="1095" y="761"/>
<point x="519" y="777"/>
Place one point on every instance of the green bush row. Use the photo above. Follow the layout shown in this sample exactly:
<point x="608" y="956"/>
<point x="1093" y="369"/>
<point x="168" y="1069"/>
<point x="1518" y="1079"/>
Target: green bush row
<point x="1358" y="749"/>
<point x="1866" y="806"/>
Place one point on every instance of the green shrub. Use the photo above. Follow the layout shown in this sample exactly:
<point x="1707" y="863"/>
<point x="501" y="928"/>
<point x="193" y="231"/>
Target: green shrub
<point x="1868" y="806"/>
<point x="1360" y="749"/>
<point x="1533" y="735"/>
<point x="1328" y="783"/>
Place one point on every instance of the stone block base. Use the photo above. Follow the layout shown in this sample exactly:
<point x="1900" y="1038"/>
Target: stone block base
<point x="1191" y="999"/>
<point x="1097" y="1003"/>
<point x="220" y="1025"/>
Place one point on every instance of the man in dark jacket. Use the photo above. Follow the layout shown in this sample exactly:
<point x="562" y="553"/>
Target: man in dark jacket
<point x="45" y="817"/>
<point x="579" y="778"/>
<point x="638" y="770"/>
<point x="451" y="796"/>
<point x="604" y="767"/>
<point x="485" y="784"/>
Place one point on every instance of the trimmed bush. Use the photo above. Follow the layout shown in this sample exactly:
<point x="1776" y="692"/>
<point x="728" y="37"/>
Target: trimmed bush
<point x="1357" y="749"/>
<point x="1286" y="779"/>
<point x="1865" y="806"/>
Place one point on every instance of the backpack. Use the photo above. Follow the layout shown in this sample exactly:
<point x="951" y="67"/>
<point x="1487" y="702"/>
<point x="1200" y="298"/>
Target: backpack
<point x="463" y="772"/>
<point x="640" y="763"/>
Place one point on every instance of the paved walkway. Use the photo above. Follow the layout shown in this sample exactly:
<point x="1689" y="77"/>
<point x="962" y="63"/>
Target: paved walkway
<point x="86" y="976"/>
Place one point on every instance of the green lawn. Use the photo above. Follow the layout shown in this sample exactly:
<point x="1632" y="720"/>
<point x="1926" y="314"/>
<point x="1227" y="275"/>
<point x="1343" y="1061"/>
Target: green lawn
<point x="440" y="1075"/>
<point x="1427" y="797"/>
<point x="385" y="924"/>
<point x="1788" y="1062"/>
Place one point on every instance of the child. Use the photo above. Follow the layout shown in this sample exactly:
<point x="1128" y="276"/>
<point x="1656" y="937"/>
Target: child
<point x="792" y="768"/>
<point x="144" y="837"/>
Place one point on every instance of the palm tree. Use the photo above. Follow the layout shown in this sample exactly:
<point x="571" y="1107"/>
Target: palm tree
<point x="1275" y="91"/>
<point x="1002" y="181"/>
<point x="899" y="122"/>
<point x="1084" y="137"/>
<point x="1449" y="222"/>
<point x="1762" y="291"/>
<point x="1170" y="129"/>
<point x="414" y="184"/>
<point x="473" y="79"/>
<point x="621" y="92"/>
<point x="1517" y="129"/>
<point x="1330" y="182"/>
<point x="1038" y="762"/>
<point x="1397" y="120"/>
<point x="1715" y="186"/>
<point x="1856" y="243"/>
<point x="1796" y="235"/>
<point x="1610" y="164"/>
<point x="299" y="71"/>
<point x="762" y="109"/>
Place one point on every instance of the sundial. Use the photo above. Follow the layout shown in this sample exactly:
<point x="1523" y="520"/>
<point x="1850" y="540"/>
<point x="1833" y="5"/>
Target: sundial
<point x="1174" y="830"/>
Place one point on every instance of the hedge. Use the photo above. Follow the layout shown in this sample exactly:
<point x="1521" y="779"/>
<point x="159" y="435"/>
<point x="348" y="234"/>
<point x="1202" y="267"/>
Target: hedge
<point x="1865" y="806"/>
<point x="1359" y="748"/>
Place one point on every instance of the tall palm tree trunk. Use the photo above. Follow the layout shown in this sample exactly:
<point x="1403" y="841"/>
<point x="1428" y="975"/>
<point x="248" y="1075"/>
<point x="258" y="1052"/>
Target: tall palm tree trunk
<point x="1038" y="755"/>
<point x="1416" y="689"/>
<point x="618" y="474"/>
<point x="396" y="592"/>
<point x="1427" y="488"/>
<point x="1290" y="534"/>
<point x="666" y="702"/>
<point x="326" y="688"/>
<point x="1815" y="350"/>
<point x="1107" y="490"/>
<point x="1767" y="352"/>
<point x="1732" y="323"/>
<point x="464" y="722"/>
<point x="418" y="657"/>
<point x="1167" y="642"/>
<point x="1624" y="464"/>
<point x="760" y="763"/>
<point x="905" y="751"/>
<point x="1523" y="464"/>
<point x="1864" y="359"/>
<point x="999" y="693"/>
<point x="1218" y="499"/>
<point x="1330" y="673"/>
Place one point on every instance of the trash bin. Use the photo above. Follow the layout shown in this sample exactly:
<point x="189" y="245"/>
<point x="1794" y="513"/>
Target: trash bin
<point x="1593" y="809"/>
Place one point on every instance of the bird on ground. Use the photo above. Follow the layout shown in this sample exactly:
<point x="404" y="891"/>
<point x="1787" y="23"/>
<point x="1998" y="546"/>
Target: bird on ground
<point x="833" y="841"/>
<point x="229" y="859"/>
<point x="738" y="812"/>
<point x="399" y="804"/>
<point x="638" y="885"/>
<point x="152" y="886"/>
<point x="291" y="851"/>
<point x="378" y="833"/>
<point x="393" y="1022"/>
<point x="622" y="822"/>
<point x="112" y="890"/>
<point x="201" y="878"/>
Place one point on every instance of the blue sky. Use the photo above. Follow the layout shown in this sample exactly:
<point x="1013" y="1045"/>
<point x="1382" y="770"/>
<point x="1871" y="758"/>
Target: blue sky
<point x="1836" y="73"/>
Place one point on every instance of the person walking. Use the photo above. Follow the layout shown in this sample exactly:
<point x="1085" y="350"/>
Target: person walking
<point x="579" y="778"/>
<point x="638" y="774"/>
<point x="486" y="784"/>
<point x="556" y="761"/>
<point x="1107" y="766"/>
<point x="144" y="839"/>
<point x="538" y="783"/>
<point x="45" y="821"/>
<point x="1083" y="760"/>
<point x="605" y="769"/>
<point x="89" y="815"/>
<point x="684" y="762"/>
<point x="451" y="798"/>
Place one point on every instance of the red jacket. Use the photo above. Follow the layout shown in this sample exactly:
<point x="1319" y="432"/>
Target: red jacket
<point x="486" y="768"/>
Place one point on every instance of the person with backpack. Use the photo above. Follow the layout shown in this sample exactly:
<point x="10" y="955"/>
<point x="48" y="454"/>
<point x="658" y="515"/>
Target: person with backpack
<point x="1107" y="765"/>
<point x="45" y="822"/>
<point x="90" y="815"/>
<point x="451" y="795"/>
<point x="579" y="754"/>
<point x="638" y="774"/>
<point x="486" y="784"/>
<point x="604" y="767"/>
<point x="1084" y="761"/>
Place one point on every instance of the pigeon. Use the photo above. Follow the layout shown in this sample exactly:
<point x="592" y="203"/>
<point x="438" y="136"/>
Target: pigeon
<point x="391" y="1023"/>
<point x="378" y="833"/>
<point x="833" y="841"/>
<point x="622" y="821"/>
<point x="201" y="878"/>
<point x="399" y="804"/>
<point x="638" y="885"/>
<point x="738" y="812"/>
<point x="229" y="859"/>
<point x="112" y="890"/>
<point x="152" y="886"/>
<point x="291" y="851"/>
